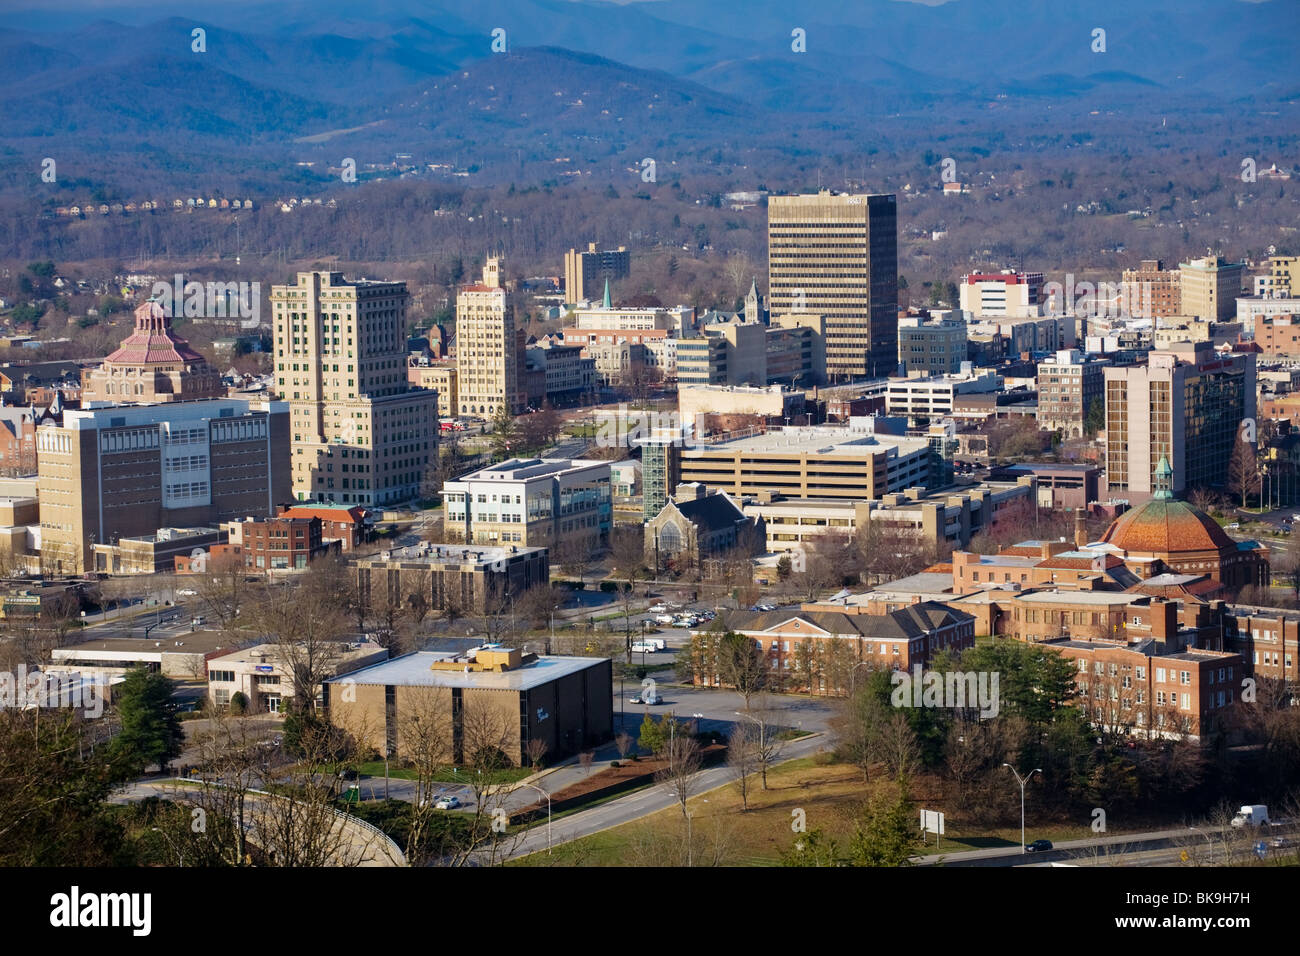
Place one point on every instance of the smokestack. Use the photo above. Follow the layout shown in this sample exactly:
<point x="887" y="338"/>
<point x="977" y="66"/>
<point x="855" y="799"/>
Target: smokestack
<point x="1080" y="528"/>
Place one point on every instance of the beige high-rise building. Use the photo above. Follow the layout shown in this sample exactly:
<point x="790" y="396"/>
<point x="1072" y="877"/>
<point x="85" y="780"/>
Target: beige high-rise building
<point x="837" y="256"/>
<point x="1186" y="404"/>
<point x="487" y="347"/>
<point x="1209" y="287"/>
<point x="361" y="434"/>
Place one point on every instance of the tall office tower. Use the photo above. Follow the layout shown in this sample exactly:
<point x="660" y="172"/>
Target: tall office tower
<point x="1186" y="404"/>
<point x="487" y="347"/>
<point x="837" y="255"/>
<point x="585" y="271"/>
<point x="361" y="434"/>
<point x="1209" y="288"/>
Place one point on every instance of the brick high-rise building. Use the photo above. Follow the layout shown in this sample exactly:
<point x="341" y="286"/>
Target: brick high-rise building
<point x="127" y="470"/>
<point x="489" y="352"/>
<point x="1069" y="383"/>
<point x="361" y="434"/>
<point x="837" y="256"/>
<point x="584" y="271"/>
<point x="1152" y="290"/>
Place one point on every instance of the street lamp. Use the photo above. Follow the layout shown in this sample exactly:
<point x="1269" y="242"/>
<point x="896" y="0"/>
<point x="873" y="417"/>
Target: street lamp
<point x="548" y="810"/>
<point x="853" y="674"/>
<point x="1022" y="782"/>
<point x="179" y="855"/>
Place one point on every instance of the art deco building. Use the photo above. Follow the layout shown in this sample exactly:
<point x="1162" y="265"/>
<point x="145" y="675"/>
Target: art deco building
<point x="361" y="434"/>
<point x="153" y="365"/>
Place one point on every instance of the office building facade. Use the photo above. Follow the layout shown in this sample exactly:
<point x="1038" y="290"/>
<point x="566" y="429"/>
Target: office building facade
<point x="837" y="256"/>
<point x="126" y="471"/>
<point x="361" y="434"/>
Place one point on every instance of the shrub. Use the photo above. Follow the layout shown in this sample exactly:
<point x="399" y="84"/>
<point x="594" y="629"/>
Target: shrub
<point x="608" y="586"/>
<point x="238" y="702"/>
<point x="615" y="763"/>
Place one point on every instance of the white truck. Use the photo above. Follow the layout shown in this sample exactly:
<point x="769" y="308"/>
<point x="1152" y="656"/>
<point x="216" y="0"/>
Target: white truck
<point x="1251" y="815"/>
<point x="649" y="645"/>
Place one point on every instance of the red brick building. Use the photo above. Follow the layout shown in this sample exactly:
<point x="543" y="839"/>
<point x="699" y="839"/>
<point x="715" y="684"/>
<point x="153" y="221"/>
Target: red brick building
<point x="278" y="544"/>
<point x="342" y="523"/>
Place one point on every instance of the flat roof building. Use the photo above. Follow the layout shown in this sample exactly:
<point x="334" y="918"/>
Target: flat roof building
<point x="809" y="462"/>
<point x="488" y="696"/>
<point x="532" y="502"/>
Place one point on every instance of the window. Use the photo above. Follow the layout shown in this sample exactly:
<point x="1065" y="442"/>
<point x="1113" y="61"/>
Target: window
<point x="222" y="677"/>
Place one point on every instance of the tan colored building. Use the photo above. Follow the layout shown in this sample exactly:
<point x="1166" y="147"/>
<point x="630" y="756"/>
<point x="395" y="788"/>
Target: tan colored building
<point x="1209" y="287"/>
<point x="837" y="256"/>
<point x="1069" y="385"/>
<point x="1279" y="335"/>
<point x="126" y="471"/>
<point x="951" y="515"/>
<point x="263" y="673"/>
<point x="440" y="376"/>
<point x="361" y="434"/>
<point x="809" y="462"/>
<point x="489" y="696"/>
<point x="153" y="365"/>
<point x="489" y="355"/>
<point x="1186" y="403"/>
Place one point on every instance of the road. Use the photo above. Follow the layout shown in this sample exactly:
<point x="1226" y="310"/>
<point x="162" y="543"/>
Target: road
<point x="358" y="843"/>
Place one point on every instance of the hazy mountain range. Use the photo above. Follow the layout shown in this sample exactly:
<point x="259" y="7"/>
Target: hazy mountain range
<point x="406" y="74"/>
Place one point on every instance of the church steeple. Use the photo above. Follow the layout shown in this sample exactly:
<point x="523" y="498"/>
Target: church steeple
<point x="607" y="303"/>
<point x="1162" y="480"/>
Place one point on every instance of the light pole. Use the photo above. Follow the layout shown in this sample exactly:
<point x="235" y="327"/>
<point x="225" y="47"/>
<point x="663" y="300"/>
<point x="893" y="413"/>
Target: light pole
<point x="179" y="855"/>
<point x="853" y="675"/>
<point x="762" y="744"/>
<point x="1022" y="782"/>
<point x="548" y="810"/>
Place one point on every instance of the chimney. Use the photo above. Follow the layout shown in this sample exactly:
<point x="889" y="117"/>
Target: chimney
<point x="1080" y="528"/>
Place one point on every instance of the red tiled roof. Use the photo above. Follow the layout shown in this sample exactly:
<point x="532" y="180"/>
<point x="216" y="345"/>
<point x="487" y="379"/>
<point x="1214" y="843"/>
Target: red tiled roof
<point x="1167" y="526"/>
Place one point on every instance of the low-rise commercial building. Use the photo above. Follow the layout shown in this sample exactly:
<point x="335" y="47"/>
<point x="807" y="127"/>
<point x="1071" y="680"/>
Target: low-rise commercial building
<point x="532" y="502"/>
<point x="264" y="673"/>
<point x="487" y="697"/>
<point x="464" y="578"/>
<point x="155" y="553"/>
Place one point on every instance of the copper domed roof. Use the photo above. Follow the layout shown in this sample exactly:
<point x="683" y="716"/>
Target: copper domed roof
<point x="1166" y="526"/>
<point x="153" y="342"/>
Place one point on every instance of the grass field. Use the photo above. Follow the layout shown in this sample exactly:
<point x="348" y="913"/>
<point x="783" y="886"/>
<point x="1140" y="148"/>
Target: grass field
<point x="827" y="794"/>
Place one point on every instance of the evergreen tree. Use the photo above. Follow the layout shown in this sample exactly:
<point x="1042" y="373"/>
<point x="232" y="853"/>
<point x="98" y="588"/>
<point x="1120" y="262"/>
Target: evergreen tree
<point x="151" y="731"/>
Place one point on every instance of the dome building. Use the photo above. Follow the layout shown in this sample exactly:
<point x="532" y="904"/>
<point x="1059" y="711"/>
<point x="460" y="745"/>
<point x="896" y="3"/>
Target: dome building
<point x="1166" y="535"/>
<point x="153" y="365"/>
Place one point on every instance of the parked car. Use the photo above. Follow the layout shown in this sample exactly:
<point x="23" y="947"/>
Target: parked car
<point x="659" y="608"/>
<point x="643" y="647"/>
<point x="1039" y="846"/>
<point x="447" y="803"/>
<point x="664" y="619"/>
<point x="1233" y="526"/>
<point x="650" y="699"/>
<point x="187" y="592"/>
